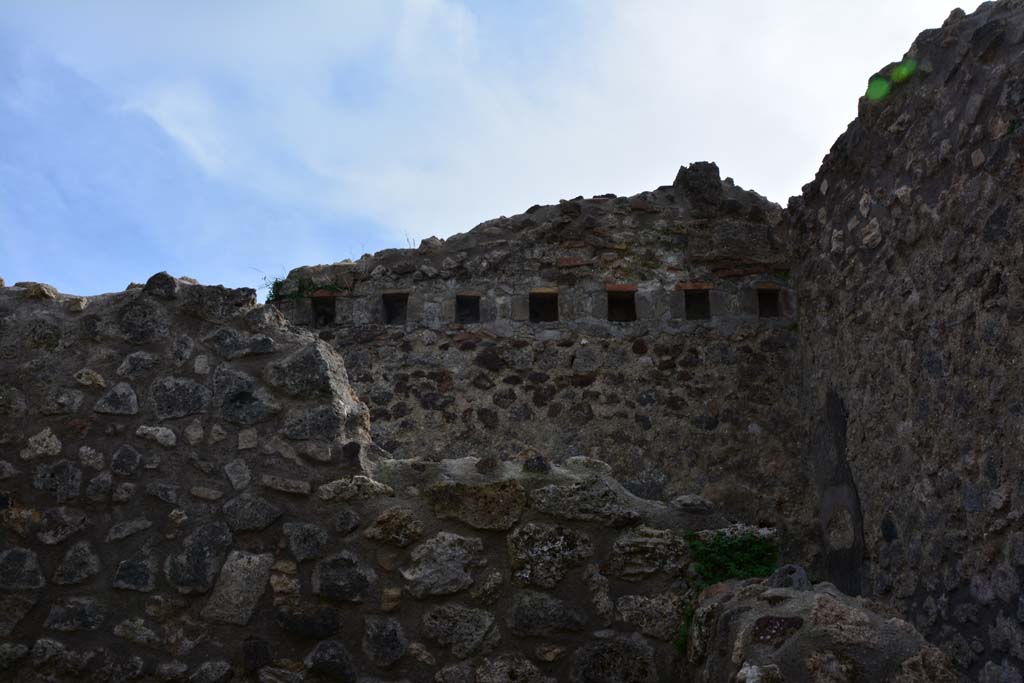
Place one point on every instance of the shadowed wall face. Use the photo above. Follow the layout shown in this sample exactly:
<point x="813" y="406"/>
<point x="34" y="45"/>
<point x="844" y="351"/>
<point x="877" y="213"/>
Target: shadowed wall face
<point x="909" y="245"/>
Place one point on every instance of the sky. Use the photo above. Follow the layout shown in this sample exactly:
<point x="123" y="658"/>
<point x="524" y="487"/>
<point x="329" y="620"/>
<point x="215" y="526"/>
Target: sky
<point x="232" y="141"/>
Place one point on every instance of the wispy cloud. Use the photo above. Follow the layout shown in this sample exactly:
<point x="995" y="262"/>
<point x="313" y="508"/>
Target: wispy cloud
<point x="221" y="139"/>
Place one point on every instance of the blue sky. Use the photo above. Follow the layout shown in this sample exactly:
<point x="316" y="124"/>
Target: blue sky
<point x="237" y="139"/>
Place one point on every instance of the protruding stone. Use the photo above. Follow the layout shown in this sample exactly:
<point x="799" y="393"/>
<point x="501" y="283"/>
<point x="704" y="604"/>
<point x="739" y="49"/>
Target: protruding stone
<point x="541" y="554"/>
<point x="285" y="485"/>
<point x="395" y="526"/>
<point x="162" y="286"/>
<point x="441" y="565"/>
<point x="231" y="344"/>
<point x="119" y="400"/>
<point x="248" y="439"/>
<point x="637" y="554"/>
<point x="314" y="370"/>
<point x="592" y="500"/>
<point x="43" y="443"/>
<point x="358" y="487"/>
<point x="242" y="582"/>
<point x="494" y="505"/>
<point x="658" y="615"/>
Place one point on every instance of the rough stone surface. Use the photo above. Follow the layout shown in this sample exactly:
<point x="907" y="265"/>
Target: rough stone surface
<point x="442" y="565"/>
<point x="343" y="578"/>
<point x="465" y="630"/>
<point x="242" y="581"/>
<point x="541" y="554"/>
<point x="494" y="505"/>
<point x="805" y="636"/>
<point x="534" y="391"/>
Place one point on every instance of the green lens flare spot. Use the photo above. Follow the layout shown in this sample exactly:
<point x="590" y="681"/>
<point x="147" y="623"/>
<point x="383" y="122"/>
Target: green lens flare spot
<point x="878" y="88"/>
<point x="904" y="70"/>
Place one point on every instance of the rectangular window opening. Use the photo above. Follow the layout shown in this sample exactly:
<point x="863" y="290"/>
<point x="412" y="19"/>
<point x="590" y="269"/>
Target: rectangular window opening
<point x="543" y="307"/>
<point x="698" y="304"/>
<point x="768" y="303"/>
<point x="396" y="307"/>
<point x="323" y="311"/>
<point x="622" y="307"/>
<point x="467" y="309"/>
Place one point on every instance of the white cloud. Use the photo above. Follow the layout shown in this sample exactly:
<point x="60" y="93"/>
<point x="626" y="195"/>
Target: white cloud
<point x="405" y="114"/>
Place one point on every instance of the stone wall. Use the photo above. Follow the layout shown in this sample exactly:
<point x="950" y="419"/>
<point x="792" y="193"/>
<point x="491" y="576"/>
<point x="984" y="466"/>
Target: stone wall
<point x="909" y="272"/>
<point x="678" y="401"/>
<point x="188" y="492"/>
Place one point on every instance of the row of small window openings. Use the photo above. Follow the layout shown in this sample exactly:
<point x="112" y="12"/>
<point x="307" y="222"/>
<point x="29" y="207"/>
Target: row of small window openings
<point x="544" y="307"/>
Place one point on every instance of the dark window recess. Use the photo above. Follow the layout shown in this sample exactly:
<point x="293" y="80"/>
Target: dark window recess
<point x="698" y="304"/>
<point x="622" y="307"/>
<point x="543" y="307"/>
<point x="323" y="311"/>
<point x="768" y="303"/>
<point x="467" y="308"/>
<point x="396" y="307"/>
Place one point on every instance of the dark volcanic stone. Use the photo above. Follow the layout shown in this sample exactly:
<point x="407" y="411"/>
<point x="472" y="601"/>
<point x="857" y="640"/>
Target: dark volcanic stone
<point x="60" y="524"/>
<point x="19" y="570"/>
<point x="315" y="370"/>
<point x="79" y="564"/>
<point x="249" y="513"/>
<point x="175" y="397"/>
<point x="240" y="399"/>
<point x="119" y="400"/>
<point x="77" y="614"/>
<point x="541" y="554"/>
<point x="125" y="461"/>
<point x="615" y="660"/>
<point x="343" y="577"/>
<point x="539" y="614"/>
<point x="136" y="575"/>
<point x="61" y="479"/>
<point x="384" y="641"/>
<point x="161" y="286"/>
<point x="324" y="422"/>
<point x="331" y="660"/>
<point x="305" y="541"/>
<point x="467" y="631"/>
<point x="193" y="570"/>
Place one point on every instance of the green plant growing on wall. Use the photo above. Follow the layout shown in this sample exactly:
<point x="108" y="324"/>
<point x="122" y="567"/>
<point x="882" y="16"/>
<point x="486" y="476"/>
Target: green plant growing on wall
<point x="721" y="557"/>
